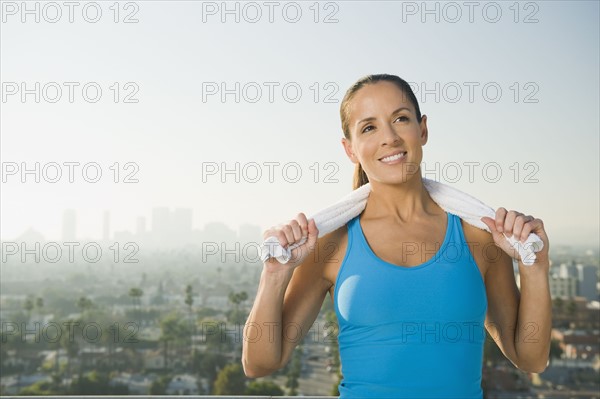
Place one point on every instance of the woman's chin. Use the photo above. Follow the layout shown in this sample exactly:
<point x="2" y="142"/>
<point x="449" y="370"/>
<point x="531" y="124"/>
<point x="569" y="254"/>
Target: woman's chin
<point x="394" y="179"/>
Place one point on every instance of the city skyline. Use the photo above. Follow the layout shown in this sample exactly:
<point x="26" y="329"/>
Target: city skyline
<point x="172" y="228"/>
<point x="178" y="222"/>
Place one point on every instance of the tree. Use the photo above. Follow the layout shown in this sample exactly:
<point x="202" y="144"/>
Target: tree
<point x="236" y="298"/>
<point x="209" y="365"/>
<point x="230" y="381"/>
<point x="39" y="304"/>
<point x="555" y="349"/>
<point x="159" y="386"/>
<point x="214" y="338"/>
<point x="135" y="294"/>
<point x="173" y="329"/>
<point x="332" y="322"/>
<point x="559" y="303"/>
<point x="84" y="304"/>
<point x="42" y="388"/>
<point x="263" y="388"/>
<point x="189" y="297"/>
<point x="95" y="383"/>
<point x="189" y="301"/>
<point x="69" y="344"/>
<point x="572" y="308"/>
<point x="335" y="390"/>
<point x="294" y="371"/>
<point x="28" y="306"/>
<point x="159" y="297"/>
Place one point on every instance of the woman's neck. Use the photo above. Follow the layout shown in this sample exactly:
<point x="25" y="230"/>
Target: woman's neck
<point x="403" y="202"/>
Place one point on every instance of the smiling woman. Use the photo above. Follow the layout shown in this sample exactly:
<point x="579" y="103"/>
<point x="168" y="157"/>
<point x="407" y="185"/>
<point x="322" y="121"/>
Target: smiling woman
<point x="412" y="310"/>
<point x="390" y="88"/>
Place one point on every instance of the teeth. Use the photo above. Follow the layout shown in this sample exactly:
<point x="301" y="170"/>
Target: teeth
<point x="393" y="157"/>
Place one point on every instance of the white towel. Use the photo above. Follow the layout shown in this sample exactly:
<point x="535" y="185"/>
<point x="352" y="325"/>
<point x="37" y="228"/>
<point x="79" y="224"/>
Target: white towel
<point x="452" y="200"/>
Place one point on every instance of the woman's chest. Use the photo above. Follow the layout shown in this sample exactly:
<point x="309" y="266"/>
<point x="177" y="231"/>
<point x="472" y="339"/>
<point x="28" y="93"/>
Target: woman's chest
<point x="369" y="297"/>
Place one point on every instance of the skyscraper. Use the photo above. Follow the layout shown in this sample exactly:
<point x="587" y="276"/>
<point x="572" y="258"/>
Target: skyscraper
<point x="106" y="226"/>
<point x="140" y="225"/>
<point x="69" y="224"/>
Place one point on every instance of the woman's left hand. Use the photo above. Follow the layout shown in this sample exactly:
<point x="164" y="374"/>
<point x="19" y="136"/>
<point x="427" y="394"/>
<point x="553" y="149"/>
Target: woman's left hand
<point x="518" y="225"/>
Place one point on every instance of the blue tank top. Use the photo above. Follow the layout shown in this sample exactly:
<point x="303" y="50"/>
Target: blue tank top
<point x="410" y="332"/>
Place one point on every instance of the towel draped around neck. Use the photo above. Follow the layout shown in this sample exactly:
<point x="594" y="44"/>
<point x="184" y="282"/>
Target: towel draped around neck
<point x="452" y="200"/>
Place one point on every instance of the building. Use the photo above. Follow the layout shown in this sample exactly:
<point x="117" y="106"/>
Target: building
<point x="580" y="348"/>
<point x="563" y="286"/>
<point x="588" y="282"/>
<point x="69" y="225"/>
<point x="106" y="226"/>
<point x="183" y="384"/>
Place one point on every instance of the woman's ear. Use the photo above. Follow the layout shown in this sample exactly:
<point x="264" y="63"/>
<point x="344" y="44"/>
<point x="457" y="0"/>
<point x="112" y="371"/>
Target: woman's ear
<point x="348" y="148"/>
<point x="424" y="131"/>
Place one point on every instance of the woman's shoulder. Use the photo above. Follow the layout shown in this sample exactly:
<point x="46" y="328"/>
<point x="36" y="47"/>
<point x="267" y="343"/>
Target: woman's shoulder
<point x="476" y="235"/>
<point x="330" y="251"/>
<point x="479" y="242"/>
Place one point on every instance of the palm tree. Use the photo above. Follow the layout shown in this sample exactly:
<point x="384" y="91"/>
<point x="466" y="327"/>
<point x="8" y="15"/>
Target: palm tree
<point x="28" y="306"/>
<point x="69" y="343"/>
<point x="189" y="301"/>
<point x="135" y="294"/>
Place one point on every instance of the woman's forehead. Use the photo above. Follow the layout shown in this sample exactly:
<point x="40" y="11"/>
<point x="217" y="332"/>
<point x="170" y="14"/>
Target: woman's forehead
<point x="370" y="101"/>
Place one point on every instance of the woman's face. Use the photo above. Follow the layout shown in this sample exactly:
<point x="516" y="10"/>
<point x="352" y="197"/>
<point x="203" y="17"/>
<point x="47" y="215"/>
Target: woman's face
<point x="393" y="128"/>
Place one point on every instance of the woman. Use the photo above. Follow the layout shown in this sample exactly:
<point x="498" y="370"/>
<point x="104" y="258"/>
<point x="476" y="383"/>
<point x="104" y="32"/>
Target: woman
<point x="411" y="307"/>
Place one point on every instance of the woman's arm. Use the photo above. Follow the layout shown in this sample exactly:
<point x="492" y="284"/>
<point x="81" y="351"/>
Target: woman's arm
<point x="520" y="323"/>
<point x="287" y="303"/>
<point x="535" y="316"/>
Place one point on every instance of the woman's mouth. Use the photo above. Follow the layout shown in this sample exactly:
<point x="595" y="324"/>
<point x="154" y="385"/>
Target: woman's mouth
<point x="394" y="159"/>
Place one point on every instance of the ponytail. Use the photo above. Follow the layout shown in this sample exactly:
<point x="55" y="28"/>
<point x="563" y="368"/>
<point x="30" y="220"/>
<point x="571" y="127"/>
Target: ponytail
<point x="360" y="177"/>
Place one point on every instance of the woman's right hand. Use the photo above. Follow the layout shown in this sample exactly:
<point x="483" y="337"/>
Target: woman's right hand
<point x="289" y="234"/>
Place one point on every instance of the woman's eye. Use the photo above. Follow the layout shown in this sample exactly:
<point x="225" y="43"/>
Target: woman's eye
<point x="400" y="117"/>
<point x="366" y="127"/>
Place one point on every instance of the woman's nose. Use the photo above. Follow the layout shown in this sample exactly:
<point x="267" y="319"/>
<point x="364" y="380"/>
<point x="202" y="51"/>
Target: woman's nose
<point x="390" y="135"/>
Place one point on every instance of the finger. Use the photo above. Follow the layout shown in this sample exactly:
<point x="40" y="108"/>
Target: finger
<point x="531" y="226"/>
<point x="518" y="226"/>
<point x="281" y="237"/>
<point x="313" y="234"/>
<point x="277" y="233"/>
<point x="500" y="215"/>
<point x="490" y="223"/>
<point x="509" y="222"/>
<point x="296" y="230"/>
<point x="267" y="233"/>
<point x="526" y="230"/>
<point x="289" y="233"/>
<point x="303" y="222"/>
<point x="300" y="228"/>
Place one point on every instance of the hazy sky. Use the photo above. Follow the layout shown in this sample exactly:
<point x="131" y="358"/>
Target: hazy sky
<point x="543" y="124"/>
